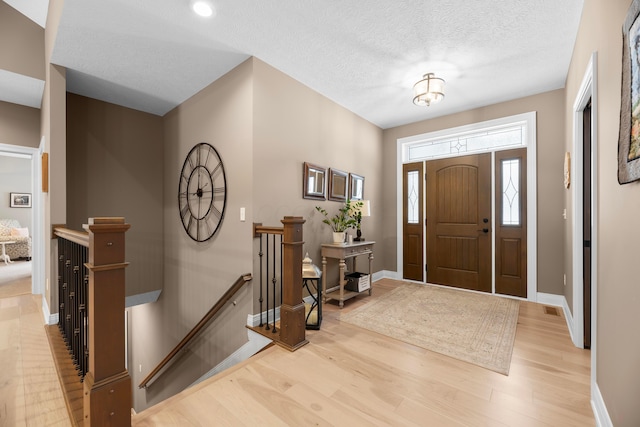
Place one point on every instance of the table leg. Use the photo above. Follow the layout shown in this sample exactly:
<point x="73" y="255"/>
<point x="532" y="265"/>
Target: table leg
<point x="370" y="278"/>
<point x="4" y="255"/>
<point x="343" y="264"/>
<point x="324" y="278"/>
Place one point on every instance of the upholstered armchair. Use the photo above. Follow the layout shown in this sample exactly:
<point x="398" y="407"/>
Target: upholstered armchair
<point x="10" y="230"/>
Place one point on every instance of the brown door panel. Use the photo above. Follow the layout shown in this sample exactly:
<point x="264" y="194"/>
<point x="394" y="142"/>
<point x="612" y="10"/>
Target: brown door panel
<point x="413" y="233"/>
<point x="511" y="239"/>
<point x="458" y="202"/>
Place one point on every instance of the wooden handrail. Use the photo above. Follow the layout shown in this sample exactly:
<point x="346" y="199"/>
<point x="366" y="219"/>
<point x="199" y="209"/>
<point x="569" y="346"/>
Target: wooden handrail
<point x="199" y="326"/>
<point x="259" y="229"/>
<point x="79" y="237"/>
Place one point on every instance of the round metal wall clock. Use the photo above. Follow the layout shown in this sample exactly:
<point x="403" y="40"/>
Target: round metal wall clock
<point x="202" y="192"/>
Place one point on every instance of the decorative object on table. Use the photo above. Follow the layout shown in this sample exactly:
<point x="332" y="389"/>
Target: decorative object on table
<point x="476" y="328"/>
<point x="338" y="185"/>
<point x="202" y="192"/>
<point x="356" y="186"/>
<point x="360" y="210"/>
<point x="629" y="135"/>
<point x="567" y="169"/>
<point x="428" y="91"/>
<point x="357" y="282"/>
<point x="342" y="221"/>
<point x="20" y="200"/>
<point x="310" y="281"/>
<point x="313" y="182"/>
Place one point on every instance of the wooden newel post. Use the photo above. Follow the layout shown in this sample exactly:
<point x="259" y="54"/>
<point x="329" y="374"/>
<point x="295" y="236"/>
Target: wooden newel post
<point x="292" y="325"/>
<point x="107" y="384"/>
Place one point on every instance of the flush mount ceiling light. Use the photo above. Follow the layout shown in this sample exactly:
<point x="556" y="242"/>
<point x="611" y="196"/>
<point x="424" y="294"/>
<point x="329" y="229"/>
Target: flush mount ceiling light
<point x="428" y="90"/>
<point x="202" y="7"/>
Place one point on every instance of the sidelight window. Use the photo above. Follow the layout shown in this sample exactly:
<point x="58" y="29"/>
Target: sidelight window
<point x="511" y="192"/>
<point x="413" y="197"/>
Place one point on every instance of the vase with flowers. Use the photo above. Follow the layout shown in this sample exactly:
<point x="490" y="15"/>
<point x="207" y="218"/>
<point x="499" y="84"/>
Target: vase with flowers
<point x="341" y="221"/>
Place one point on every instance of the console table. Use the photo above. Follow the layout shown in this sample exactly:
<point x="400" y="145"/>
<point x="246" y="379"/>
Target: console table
<point x="342" y="252"/>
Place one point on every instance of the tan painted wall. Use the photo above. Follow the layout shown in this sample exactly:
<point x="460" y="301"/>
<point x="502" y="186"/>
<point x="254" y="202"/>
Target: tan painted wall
<point x="550" y="130"/>
<point x="197" y="274"/>
<point x="53" y="132"/>
<point x="115" y="160"/>
<point x="294" y="124"/>
<point x="21" y="43"/>
<point x="618" y="350"/>
<point x="19" y="125"/>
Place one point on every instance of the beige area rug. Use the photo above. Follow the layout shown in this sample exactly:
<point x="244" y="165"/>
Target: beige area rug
<point x="15" y="278"/>
<point x="475" y="328"/>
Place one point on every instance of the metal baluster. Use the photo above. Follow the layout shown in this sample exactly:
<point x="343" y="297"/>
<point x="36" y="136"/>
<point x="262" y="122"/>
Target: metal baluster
<point x="267" y="327"/>
<point x="86" y="316"/>
<point x="273" y="283"/>
<point x="281" y="268"/>
<point x="69" y="296"/>
<point x="61" y="306"/>
<point x="82" y="280"/>
<point x="260" y="255"/>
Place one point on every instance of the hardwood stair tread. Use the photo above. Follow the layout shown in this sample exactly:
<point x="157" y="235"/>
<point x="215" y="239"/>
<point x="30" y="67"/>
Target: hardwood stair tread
<point x="72" y="387"/>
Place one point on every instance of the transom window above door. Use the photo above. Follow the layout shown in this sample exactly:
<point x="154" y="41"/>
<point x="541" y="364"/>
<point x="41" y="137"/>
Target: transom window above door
<point x="493" y="135"/>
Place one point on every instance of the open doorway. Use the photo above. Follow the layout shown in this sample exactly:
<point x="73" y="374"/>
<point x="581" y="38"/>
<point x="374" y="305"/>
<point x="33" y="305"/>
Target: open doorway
<point x="18" y="202"/>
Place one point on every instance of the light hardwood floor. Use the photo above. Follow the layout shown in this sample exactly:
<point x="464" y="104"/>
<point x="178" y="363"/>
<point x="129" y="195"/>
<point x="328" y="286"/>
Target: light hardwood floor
<point x="30" y="393"/>
<point x="347" y="376"/>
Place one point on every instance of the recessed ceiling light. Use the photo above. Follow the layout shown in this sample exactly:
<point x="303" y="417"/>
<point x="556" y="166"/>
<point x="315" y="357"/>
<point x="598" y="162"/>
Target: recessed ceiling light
<point x="202" y="8"/>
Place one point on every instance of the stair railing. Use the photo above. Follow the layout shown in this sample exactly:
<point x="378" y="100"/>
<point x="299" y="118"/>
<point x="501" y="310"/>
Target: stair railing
<point x="288" y="256"/>
<point x="91" y="289"/>
<point x="245" y="278"/>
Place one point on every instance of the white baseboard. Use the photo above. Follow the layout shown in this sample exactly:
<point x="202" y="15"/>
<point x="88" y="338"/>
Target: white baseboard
<point x="256" y="343"/>
<point x="599" y="408"/>
<point x="558" y="301"/>
<point x="49" y="319"/>
<point x="254" y="319"/>
<point x="385" y="274"/>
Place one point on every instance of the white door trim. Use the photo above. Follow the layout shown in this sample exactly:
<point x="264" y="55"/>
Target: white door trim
<point x="37" y="242"/>
<point x="532" y="207"/>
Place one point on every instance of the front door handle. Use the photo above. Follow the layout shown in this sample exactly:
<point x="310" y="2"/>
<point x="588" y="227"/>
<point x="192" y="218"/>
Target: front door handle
<point x="484" y="230"/>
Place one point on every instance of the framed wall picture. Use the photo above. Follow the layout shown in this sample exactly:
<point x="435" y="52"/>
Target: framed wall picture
<point x="356" y="186"/>
<point x="629" y="135"/>
<point x="20" y="200"/>
<point x="338" y="185"/>
<point x="314" y="182"/>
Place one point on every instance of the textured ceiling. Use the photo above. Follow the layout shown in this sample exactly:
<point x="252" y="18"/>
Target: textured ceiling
<point x="364" y="55"/>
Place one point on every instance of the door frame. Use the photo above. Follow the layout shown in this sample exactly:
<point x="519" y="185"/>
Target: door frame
<point x="532" y="206"/>
<point x="588" y="91"/>
<point x="37" y="234"/>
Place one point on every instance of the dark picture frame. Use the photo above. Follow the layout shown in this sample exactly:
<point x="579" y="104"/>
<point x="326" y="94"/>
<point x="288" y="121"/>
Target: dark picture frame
<point x="629" y="135"/>
<point x="338" y="185"/>
<point x="20" y="200"/>
<point x="356" y="187"/>
<point x="314" y="179"/>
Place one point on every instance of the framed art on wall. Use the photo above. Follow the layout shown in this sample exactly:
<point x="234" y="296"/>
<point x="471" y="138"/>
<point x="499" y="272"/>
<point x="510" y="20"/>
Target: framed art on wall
<point x="20" y="200"/>
<point x="313" y="182"/>
<point x="629" y="135"/>
<point x="356" y="187"/>
<point x="338" y="185"/>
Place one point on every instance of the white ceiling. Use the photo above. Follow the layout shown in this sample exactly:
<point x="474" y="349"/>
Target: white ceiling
<point x="364" y="55"/>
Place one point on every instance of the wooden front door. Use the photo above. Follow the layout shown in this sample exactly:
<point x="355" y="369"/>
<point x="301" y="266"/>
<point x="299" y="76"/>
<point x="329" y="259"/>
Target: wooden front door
<point x="458" y="201"/>
<point x="511" y="222"/>
<point x="413" y="221"/>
